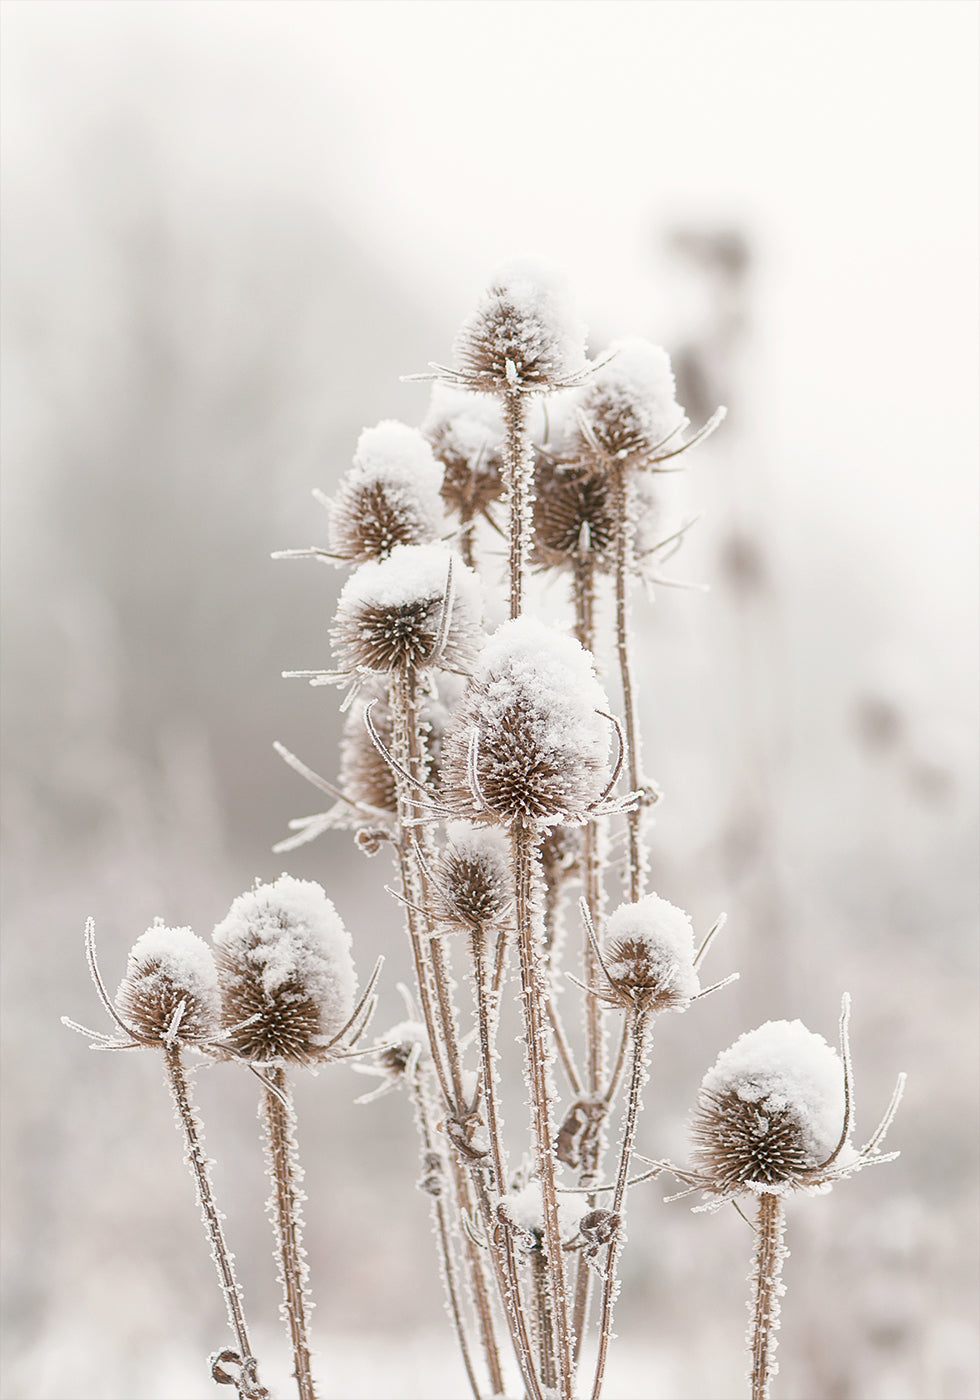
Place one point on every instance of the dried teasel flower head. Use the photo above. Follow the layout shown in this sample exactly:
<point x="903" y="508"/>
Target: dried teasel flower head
<point x="474" y="874"/>
<point x="392" y="615"/>
<point x="170" y="990"/>
<point x="466" y="431"/>
<point x="770" y="1111"/>
<point x="286" y="973"/>
<point x="576" y="519"/>
<point x="524" y="334"/>
<point x="628" y="410"/>
<point x="649" y="955"/>
<point x="390" y="496"/>
<point x="528" y="743"/>
<point x="364" y="775"/>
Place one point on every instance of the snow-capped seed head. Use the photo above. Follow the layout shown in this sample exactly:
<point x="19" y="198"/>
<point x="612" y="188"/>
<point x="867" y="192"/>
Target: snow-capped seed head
<point x="528" y="745"/>
<point x="395" y="1050"/>
<point x="170" y="968"/>
<point x="390" y="615"/>
<point x="390" y="496"/>
<point x="770" y="1110"/>
<point x="630" y="405"/>
<point x="466" y="432"/>
<point x="284" y="959"/>
<point x="574" y="517"/>
<point x="524" y="334"/>
<point x="650" y="953"/>
<point x="523" y="1210"/>
<point x="474" y="872"/>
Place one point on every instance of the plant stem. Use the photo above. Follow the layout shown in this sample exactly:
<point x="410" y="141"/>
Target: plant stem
<point x="286" y="1177"/>
<point x="767" y="1266"/>
<point x="249" y="1387"/>
<point x="533" y="993"/>
<point x="636" y="859"/>
<point x="609" y="1288"/>
<point x="442" y="1230"/>
<point x="519" y="474"/>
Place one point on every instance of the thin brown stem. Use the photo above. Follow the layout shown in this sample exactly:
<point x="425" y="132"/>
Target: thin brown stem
<point x="519" y="474"/>
<point x="638" y="1035"/>
<point x="533" y="991"/>
<point x="443" y="1233"/>
<point x="286" y="1177"/>
<point x="766" y="1268"/>
<point x="249" y="1388"/>
<point x="636" y="858"/>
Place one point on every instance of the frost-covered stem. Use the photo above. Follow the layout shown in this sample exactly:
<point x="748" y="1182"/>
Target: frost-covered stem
<point x="546" y="1331"/>
<point x="637" y="861"/>
<point x="533" y="992"/>
<point x="610" y="1287"/>
<point x="199" y="1165"/>
<point x="584" y="588"/>
<point x="487" y="1022"/>
<point x="562" y="1046"/>
<point x="285" y="1203"/>
<point x="519" y="476"/>
<point x="767" y="1266"/>
<point x="467" y="537"/>
<point x="478" y="1283"/>
<point x="407" y="752"/>
<point x="430" y="1153"/>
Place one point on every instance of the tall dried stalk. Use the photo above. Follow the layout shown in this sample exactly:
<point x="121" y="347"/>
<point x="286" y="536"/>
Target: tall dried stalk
<point x="285" y="1207"/>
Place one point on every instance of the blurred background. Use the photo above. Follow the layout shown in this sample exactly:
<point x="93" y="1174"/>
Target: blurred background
<point x="228" y="229"/>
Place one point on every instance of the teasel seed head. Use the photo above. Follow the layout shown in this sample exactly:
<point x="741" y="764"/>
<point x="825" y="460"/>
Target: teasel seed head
<point x="474" y="871"/>
<point x="649" y="955"/>
<point x="390" y="614"/>
<point x="364" y="774"/>
<point x="168" y="968"/>
<point x="524" y="335"/>
<point x="466" y="432"/>
<point x="390" y="496"/>
<point x="575" y="518"/>
<point x="769" y="1111"/>
<point x="629" y="407"/>
<point x="284" y="959"/>
<point x="527" y="744"/>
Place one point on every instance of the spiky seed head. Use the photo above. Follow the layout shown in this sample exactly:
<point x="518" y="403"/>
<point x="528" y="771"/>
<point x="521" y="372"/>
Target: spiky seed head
<point x="364" y="774"/>
<point x="649" y="955"/>
<point x="391" y="495"/>
<point x="630" y="405"/>
<point x="474" y="871"/>
<point x="524" y="334"/>
<point x="466" y="432"/>
<point x="769" y="1111"/>
<point x="574" y="516"/>
<point x="168" y="968"/>
<point x="390" y="612"/>
<point x="394" y="1050"/>
<point x="284" y="959"/>
<point x="542" y="745"/>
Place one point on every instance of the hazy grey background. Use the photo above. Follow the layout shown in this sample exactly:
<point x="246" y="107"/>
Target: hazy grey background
<point x="228" y="229"/>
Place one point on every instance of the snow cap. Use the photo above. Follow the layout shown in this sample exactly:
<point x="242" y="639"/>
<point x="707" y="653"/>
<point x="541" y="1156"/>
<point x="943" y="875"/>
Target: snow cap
<point x="284" y="957"/>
